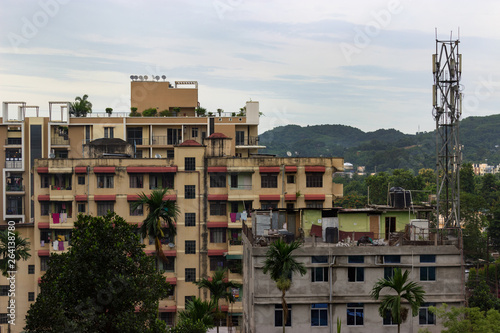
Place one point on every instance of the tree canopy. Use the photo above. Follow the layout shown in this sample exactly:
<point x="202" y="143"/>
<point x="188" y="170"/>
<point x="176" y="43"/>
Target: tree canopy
<point x="104" y="283"/>
<point x="80" y="107"/>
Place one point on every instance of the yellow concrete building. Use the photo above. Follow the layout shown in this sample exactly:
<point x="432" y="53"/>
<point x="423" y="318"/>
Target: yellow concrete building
<point x="59" y="166"/>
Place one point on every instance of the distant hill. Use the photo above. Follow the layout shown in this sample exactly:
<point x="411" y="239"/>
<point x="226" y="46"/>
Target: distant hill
<point x="384" y="149"/>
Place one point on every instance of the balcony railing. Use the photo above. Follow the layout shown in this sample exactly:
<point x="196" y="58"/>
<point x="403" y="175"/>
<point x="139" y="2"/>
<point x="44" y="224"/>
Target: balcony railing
<point x="13" y="141"/>
<point x="12" y="163"/>
<point x="59" y="140"/>
<point x="60" y="188"/>
<point x="15" y="188"/>
<point x="15" y="211"/>
<point x="241" y="187"/>
<point x="248" y="141"/>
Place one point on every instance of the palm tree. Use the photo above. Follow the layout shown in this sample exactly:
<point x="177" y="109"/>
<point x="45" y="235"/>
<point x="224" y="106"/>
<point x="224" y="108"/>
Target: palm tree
<point x="80" y="107"/>
<point x="281" y="265"/>
<point x="21" y="250"/>
<point x="220" y="288"/>
<point x="198" y="310"/>
<point x="160" y="221"/>
<point x="405" y="290"/>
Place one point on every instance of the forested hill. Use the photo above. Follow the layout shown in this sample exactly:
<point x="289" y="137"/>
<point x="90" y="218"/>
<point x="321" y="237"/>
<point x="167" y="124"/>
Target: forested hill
<point x="384" y="149"/>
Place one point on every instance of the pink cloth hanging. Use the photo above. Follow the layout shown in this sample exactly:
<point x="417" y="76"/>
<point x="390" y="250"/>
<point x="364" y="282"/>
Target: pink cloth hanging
<point x="55" y="217"/>
<point x="61" y="246"/>
<point x="233" y="217"/>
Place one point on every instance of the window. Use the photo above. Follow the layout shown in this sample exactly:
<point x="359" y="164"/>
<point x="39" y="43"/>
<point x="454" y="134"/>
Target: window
<point x="218" y="208"/>
<point x="81" y="180"/>
<point x="314" y="179"/>
<point x="217" y="179"/>
<point x="134" y="135"/>
<point x="269" y="204"/>
<point x="138" y="153"/>
<point x="356" y="274"/>
<point x="388" y="272"/>
<point x="314" y="204"/>
<point x="188" y="299"/>
<point x="167" y="266"/>
<point x="319" y="314"/>
<point x="44" y="208"/>
<point x="427" y="273"/>
<point x="105" y="181"/>
<point x="82" y="207"/>
<point x="189" y="163"/>
<point x="355" y="314"/>
<point x="190" y="247"/>
<point x="189" y="191"/>
<point x="319" y="259"/>
<point x="428" y="258"/>
<point x="44" y="181"/>
<point x="194" y="132"/>
<point x="31" y="269"/>
<point x="170" y="153"/>
<point x="426" y="317"/>
<point x="234" y="180"/>
<point x="174" y="136"/>
<point x="217" y="262"/>
<point x="356" y="259"/>
<point x="104" y="206"/>
<point x="217" y="235"/>
<point x="45" y="235"/>
<point x="388" y="320"/>
<point x="269" y="180"/>
<point x="240" y="138"/>
<point x="109" y="132"/>
<point x="167" y="317"/>
<point x="190" y="274"/>
<point x="138" y="211"/>
<point x="44" y="263"/>
<point x="4" y="290"/>
<point x="3" y="318"/>
<point x="278" y="316"/>
<point x="190" y="219"/>
<point x="319" y="274"/>
<point x="31" y="296"/>
<point x="161" y="180"/>
<point x="290" y="179"/>
<point x="392" y="259"/>
<point x="136" y="180"/>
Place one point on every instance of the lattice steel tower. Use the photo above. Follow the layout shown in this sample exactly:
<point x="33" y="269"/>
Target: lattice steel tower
<point x="447" y="102"/>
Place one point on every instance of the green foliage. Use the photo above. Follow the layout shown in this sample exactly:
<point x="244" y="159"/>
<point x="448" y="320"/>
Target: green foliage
<point x="474" y="222"/>
<point x="104" y="283"/>
<point x="109" y="111"/>
<point x="134" y="112"/>
<point x="467" y="178"/>
<point x="243" y="112"/>
<point x="404" y="289"/>
<point x="481" y="296"/>
<point x="467" y="320"/>
<point x="166" y="113"/>
<point x="8" y="260"/>
<point x="80" y="107"/>
<point x="151" y="112"/>
<point x="351" y="201"/>
<point x="189" y="326"/>
<point x="201" y="112"/>
<point x="198" y="311"/>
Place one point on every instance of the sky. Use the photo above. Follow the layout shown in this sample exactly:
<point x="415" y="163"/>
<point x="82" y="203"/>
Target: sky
<point x="365" y="64"/>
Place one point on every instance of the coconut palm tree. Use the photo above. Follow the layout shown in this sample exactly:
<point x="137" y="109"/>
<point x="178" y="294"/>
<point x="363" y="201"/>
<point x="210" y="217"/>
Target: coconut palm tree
<point x="404" y="290"/>
<point x="220" y="288"/>
<point x="80" y="107"/>
<point x="160" y="221"/>
<point x="21" y="250"/>
<point x="281" y="265"/>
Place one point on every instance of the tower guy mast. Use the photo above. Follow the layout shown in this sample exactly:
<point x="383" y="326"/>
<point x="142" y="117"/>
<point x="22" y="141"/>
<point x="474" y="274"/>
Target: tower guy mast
<point x="447" y="109"/>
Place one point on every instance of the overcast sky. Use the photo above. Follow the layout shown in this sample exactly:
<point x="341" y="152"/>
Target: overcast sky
<point x="365" y="64"/>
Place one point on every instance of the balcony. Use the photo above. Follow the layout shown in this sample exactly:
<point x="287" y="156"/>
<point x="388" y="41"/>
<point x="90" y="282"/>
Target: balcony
<point x="14" y="188"/>
<point x="60" y="188"/>
<point x="15" y="211"/>
<point x="59" y="140"/>
<point x="13" y="163"/>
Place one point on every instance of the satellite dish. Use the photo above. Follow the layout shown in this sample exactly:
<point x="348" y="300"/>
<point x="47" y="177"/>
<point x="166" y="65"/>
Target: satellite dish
<point x="163" y="77"/>
<point x="52" y="155"/>
<point x="288" y="153"/>
<point x="157" y="156"/>
<point x="171" y="245"/>
<point x="131" y="77"/>
<point x="145" y="77"/>
<point x="157" y="77"/>
<point x="136" y="77"/>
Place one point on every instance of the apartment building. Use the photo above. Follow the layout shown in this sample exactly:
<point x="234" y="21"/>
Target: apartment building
<point x="59" y="166"/>
<point x="342" y="270"/>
